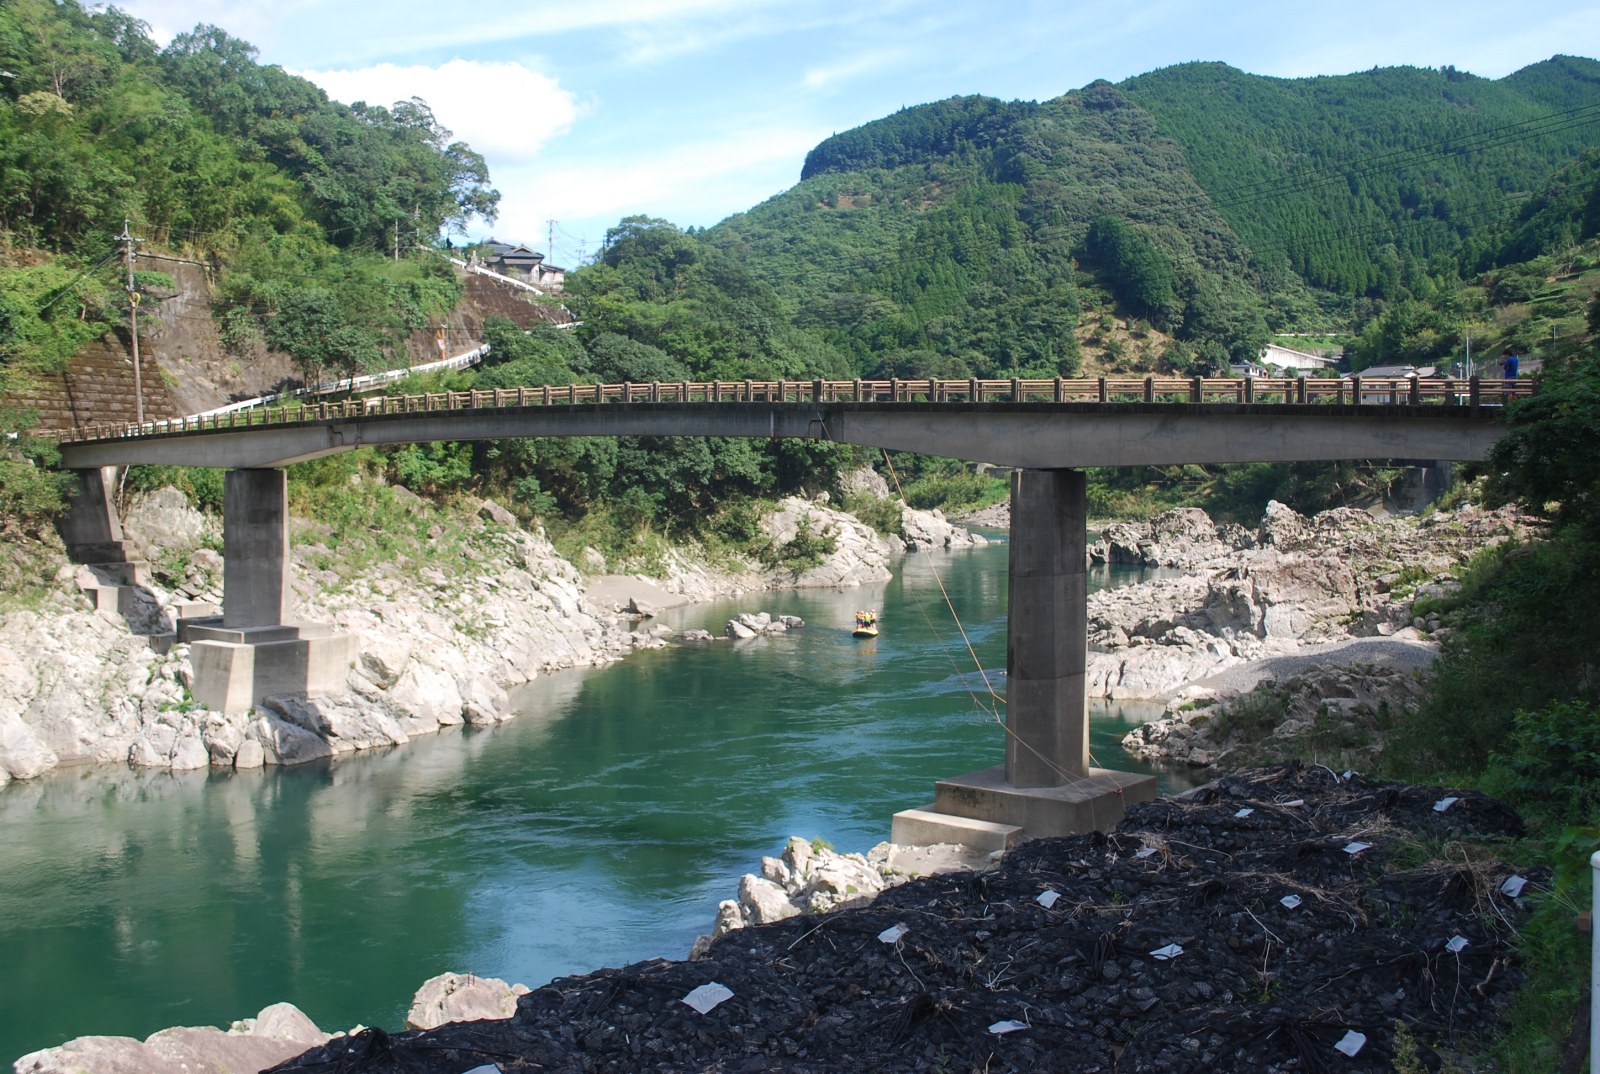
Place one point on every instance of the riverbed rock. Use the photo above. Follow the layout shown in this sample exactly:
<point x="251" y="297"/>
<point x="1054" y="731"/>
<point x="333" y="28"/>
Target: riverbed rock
<point x="278" y="1033"/>
<point x="923" y="530"/>
<point x="1295" y="582"/>
<point x="462" y="997"/>
<point x="1329" y="715"/>
<point x="859" y="555"/>
<point x="806" y="879"/>
<point x="22" y="754"/>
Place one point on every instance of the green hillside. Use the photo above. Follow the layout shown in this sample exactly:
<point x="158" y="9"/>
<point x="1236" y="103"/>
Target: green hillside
<point x="933" y="239"/>
<point x="1360" y="182"/>
<point x="207" y="155"/>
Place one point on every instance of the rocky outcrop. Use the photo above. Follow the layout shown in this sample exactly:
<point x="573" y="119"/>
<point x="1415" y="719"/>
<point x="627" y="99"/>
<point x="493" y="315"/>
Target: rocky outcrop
<point x="806" y="879"/>
<point x="1294" y="581"/>
<point x="747" y="625"/>
<point x="924" y="530"/>
<point x="1326" y="715"/>
<point x="858" y="555"/>
<point x="278" y="1033"/>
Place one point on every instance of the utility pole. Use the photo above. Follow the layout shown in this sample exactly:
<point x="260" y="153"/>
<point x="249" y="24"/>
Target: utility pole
<point x="129" y="242"/>
<point x="550" y="241"/>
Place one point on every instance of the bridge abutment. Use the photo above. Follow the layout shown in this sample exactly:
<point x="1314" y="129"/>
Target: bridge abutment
<point x="1046" y="785"/>
<point x="254" y="651"/>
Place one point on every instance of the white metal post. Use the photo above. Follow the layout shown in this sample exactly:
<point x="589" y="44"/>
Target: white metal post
<point x="1594" y="969"/>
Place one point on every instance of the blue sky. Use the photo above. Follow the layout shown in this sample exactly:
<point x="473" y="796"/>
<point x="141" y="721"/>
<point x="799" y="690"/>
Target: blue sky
<point x="692" y="110"/>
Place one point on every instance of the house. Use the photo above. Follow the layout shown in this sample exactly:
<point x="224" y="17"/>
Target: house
<point x="521" y="263"/>
<point x="1279" y="357"/>
<point x="1391" y="373"/>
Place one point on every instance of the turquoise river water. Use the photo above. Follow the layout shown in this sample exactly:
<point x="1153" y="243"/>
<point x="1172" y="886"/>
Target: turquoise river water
<point x="598" y="829"/>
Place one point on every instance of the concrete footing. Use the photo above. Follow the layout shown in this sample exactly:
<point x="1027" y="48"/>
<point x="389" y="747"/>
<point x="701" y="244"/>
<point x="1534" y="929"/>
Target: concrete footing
<point x="1091" y="803"/>
<point x="234" y="668"/>
<point x="928" y="827"/>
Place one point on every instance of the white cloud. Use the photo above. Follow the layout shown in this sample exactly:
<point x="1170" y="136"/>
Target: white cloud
<point x="695" y="184"/>
<point x="248" y="20"/>
<point x="649" y="28"/>
<point x="503" y="110"/>
<point x="867" y="63"/>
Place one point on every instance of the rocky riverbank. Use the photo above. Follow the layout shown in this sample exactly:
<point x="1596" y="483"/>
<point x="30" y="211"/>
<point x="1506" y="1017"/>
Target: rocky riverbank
<point x="443" y="634"/>
<point x="1276" y="920"/>
<point x="1251" y="595"/>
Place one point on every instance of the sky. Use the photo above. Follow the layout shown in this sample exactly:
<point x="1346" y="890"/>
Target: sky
<point x="588" y="111"/>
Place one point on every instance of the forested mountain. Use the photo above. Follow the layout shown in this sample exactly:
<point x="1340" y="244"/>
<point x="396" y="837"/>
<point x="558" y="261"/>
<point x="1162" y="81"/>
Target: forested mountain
<point x="1214" y="204"/>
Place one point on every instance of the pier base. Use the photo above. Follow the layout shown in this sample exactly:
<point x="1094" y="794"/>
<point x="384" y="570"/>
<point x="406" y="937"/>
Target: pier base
<point x="235" y="668"/>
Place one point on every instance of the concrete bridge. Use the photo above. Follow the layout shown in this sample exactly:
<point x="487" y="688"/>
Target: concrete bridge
<point x="1047" y="431"/>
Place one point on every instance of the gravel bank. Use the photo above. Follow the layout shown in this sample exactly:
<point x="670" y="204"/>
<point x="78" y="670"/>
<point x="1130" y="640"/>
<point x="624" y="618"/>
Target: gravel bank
<point x="1398" y="653"/>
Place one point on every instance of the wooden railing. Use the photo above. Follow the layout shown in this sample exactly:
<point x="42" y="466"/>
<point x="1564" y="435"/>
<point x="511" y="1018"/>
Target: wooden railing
<point x="1254" y="390"/>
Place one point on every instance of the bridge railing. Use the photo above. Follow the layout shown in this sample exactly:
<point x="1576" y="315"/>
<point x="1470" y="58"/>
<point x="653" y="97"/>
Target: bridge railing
<point x="1252" y="390"/>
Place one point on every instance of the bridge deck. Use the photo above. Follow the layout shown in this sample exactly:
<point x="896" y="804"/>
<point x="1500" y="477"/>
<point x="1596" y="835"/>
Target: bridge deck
<point x="1026" y="423"/>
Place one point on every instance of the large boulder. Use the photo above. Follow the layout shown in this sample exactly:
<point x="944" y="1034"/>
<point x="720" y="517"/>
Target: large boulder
<point x="922" y="530"/>
<point x="458" y="997"/>
<point x="859" y="555"/>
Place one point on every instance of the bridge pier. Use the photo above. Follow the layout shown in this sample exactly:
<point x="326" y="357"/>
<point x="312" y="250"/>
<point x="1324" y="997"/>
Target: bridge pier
<point x="90" y="528"/>
<point x="1046" y="785"/>
<point x="253" y="650"/>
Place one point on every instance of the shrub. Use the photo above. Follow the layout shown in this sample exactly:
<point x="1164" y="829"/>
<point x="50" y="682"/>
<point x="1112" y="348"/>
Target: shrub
<point x="1550" y="767"/>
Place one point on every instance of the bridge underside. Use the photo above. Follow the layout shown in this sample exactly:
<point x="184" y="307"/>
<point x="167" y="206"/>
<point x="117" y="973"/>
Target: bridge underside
<point x="1018" y="435"/>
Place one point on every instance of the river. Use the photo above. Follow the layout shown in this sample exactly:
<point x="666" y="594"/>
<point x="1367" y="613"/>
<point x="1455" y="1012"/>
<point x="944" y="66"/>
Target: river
<point x="600" y="828"/>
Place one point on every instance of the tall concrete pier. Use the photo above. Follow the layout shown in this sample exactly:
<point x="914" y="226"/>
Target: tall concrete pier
<point x="255" y="548"/>
<point x="255" y="650"/>
<point x="1046" y="785"/>
<point x="1047" y="725"/>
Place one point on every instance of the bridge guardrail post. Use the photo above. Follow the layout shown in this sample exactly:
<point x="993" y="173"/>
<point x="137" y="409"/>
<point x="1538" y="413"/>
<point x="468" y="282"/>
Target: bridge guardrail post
<point x="1416" y="390"/>
<point x="1060" y="390"/>
<point x="1474" y="392"/>
<point x="1300" y="389"/>
<point x="816" y="391"/>
<point x="1016" y="389"/>
<point x="1197" y="390"/>
<point x="894" y="389"/>
<point x="1104" y="397"/>
<point x="1149" y="389"/>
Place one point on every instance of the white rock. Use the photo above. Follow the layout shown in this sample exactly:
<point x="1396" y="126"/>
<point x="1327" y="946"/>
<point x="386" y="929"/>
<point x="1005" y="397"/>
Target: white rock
<point x="764" y="902"/>
<point x="455" y="997"/>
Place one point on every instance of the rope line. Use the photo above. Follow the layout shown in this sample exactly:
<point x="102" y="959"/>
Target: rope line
<point x="1068" y="778"/>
